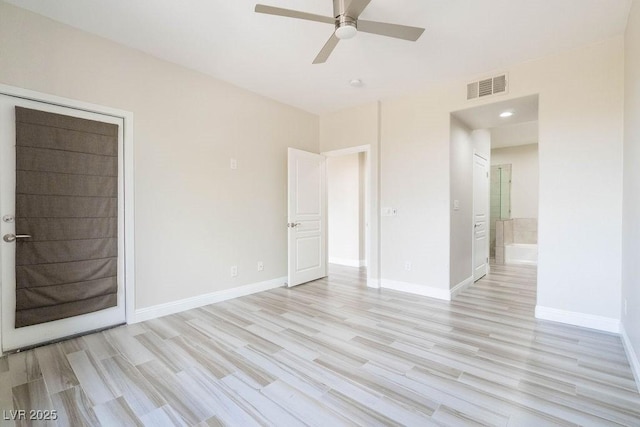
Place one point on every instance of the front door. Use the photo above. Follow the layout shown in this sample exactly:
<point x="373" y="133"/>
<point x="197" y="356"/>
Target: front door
<point x="307" y="213"/>
<point x="480" y="216"/>
<point x="62" y="227"/>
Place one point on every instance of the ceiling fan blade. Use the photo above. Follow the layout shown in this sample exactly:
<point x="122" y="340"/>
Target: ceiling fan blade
<point x="326" y="50"/>
<point x="356" y="7"/>
<point x="270" y="10"/>
<point x="390" y="30"/>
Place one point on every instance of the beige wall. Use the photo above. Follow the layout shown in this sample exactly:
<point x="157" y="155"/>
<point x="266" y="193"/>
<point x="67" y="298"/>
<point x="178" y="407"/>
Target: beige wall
<point x="524" y="177"/>
<point x="188" y="125"/>
<point x="194" y="216"/>
<point x="631" y="207"/>
<point x="461" y="190"/>
<point x="579" y="215"/>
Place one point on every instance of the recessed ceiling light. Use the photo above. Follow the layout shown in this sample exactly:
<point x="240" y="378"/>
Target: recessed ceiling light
<point x="506" y="114"/>
<point x="356" y="83"/>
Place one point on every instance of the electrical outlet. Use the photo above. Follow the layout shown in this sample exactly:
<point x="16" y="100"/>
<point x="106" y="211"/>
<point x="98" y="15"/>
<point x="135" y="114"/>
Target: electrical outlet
<point x="407" y="265"/>
<point x="234" y="163"/>
<point x="260" y="266"/>
<point x="234" y="270"/>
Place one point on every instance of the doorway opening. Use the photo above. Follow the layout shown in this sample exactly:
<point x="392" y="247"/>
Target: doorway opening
<point x="494" y="213"/>
<point x="348" y="173"/>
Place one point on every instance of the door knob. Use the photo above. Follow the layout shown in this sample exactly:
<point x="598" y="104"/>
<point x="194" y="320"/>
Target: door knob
<point x="13" y="237"/>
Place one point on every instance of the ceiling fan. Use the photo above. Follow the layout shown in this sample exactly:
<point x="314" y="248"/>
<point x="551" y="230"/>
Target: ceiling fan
<point x="346" y="22"/>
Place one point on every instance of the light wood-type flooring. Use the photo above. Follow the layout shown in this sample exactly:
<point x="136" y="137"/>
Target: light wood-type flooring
<point x="332" y="353"/>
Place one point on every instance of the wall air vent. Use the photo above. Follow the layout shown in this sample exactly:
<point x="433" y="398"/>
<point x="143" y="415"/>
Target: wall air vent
<point x="487" y="87"/>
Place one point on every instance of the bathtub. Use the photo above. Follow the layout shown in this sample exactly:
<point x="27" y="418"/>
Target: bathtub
<point x="521" y="253"/>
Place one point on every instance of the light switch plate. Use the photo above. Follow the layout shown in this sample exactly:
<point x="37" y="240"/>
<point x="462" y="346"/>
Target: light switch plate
<point x="389" y="212"/>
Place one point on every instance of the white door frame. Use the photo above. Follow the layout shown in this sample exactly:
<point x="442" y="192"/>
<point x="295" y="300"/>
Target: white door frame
<point x="473" y="216"/>
<point x="127" y="175"/>
<point x="372" y="218"/>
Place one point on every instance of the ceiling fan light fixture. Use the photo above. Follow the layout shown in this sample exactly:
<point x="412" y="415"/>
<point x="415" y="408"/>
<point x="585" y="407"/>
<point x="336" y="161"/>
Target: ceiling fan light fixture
<point x="346" y="28"/>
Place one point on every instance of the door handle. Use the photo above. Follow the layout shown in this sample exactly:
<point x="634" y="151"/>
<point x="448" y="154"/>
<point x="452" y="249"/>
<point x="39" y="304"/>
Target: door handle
<point x="13" y="237"/>
<point x="294" y="224"/>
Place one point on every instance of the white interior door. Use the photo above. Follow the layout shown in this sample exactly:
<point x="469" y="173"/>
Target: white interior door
<point x="480" y="217"/>
<point x="307" y="213"/>
<point x="16" y="338"/>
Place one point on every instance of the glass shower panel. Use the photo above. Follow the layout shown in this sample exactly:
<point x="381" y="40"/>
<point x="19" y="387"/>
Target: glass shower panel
<point x="505" y="191"/>
<point x="500" y="200"/>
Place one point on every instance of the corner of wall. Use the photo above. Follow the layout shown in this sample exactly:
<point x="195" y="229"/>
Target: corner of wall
<point x="634" y="362"/>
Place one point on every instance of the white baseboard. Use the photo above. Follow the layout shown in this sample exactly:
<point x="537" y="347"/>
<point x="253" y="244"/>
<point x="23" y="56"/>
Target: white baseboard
<point x="461" y="286"/>
<point x="373" y="283"/>
<point x="520" y="262"/>
<point x="631" y="355"/>
<point x="348" y="262"/>
<point x="600" y="323"/>
<point x="172" y="307"/>
<point x="414" y="288"/>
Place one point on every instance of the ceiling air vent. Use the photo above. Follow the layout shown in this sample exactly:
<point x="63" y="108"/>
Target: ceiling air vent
<point x="500" y="84"/>
<point x="486" y="87"/>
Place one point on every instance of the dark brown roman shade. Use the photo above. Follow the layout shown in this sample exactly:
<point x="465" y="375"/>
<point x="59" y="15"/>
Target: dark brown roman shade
<point x="67" y="200"/>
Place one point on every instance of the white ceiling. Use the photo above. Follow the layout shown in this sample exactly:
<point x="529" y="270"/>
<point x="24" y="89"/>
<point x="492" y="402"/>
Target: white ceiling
<point x="519" y="129"/>
<point x="512" y="135"/>
<point x="272" y="55"/>
<point x="524" y="109"/>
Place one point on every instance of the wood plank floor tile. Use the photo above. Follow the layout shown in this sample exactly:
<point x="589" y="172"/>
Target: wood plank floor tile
<point x="186" y="398"/>
<point x="32" y="396"/>
<point x="74" y="408"/>
<point x="270" y="410"/>
<point x="116" y="412"/>
<point x="128" y="382"/>
<point x="55" y="368"/>
<point x="91" y="376"/>
<point x="334" y="352"/>
<point x="164" y="416"/>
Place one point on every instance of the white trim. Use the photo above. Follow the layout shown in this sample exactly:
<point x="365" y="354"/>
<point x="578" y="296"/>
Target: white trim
<point x="347" y="151"/>
<point x="414" y="288"/>
<point x="631" y="355"/>
<point x="600" y="323"/>
<point x="32" y="95"/>
<point x="128" y="175"/>
<point x="172" y="307"/>
<point x="520" y="262"/>
<point x="129" y="219"/>
<point x="348" y="262"/>
<point x="461" y="286"/>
